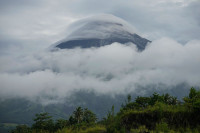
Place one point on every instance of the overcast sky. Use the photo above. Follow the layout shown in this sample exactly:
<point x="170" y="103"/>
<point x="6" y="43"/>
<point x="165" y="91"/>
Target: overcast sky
<point x="29" y="27"/>
<point x="35" y="24"/>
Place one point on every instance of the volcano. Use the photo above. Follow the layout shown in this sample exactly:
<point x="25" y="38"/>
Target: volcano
<point x="99" y="31"/>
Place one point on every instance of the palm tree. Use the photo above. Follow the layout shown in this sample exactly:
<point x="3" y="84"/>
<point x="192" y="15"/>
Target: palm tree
<point x="78" y="114"/>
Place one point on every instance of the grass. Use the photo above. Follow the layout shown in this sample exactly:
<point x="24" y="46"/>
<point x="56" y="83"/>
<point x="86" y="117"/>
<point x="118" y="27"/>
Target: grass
<point x="10" y="124"/>
<point x="95" y="129"/>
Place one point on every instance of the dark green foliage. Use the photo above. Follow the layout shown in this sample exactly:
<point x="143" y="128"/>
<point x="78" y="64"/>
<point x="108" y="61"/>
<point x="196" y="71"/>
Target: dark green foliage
<point x="21" y="129"/>
<point x="170" y="100"/>
<point x="193" y="100"/>
<point x="142" y="102"/>
<point x="111" y="121"/>
<point x="193" y="93"/>
<point x="61" y="123"/>
<point x="159" y="113"/>
<point x="165" y="98"/>
<point x="43" y="122"/>
<point x="82" y="116"/>
<point x="72" y="120"/>
<point x="78" y="115"/>
<point x="80" y="119"/>
<point x="89" y="116"/>
<point x="174" y="116"/>
<point x="129" y="98"/>
<point x="162" y="127"/>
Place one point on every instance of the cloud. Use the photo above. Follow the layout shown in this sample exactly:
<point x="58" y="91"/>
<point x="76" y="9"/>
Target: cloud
<point x="112" y="69"/>
<point x="27" y="28"/>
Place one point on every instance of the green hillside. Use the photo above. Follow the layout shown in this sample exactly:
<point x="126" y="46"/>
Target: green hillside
<point x="155" y="113"/>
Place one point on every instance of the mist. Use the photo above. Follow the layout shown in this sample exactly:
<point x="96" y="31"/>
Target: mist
<point x="112" y="69"/>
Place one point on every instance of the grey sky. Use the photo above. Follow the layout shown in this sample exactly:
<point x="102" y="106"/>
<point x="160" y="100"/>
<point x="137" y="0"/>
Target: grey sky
<point x="36" y="24"/>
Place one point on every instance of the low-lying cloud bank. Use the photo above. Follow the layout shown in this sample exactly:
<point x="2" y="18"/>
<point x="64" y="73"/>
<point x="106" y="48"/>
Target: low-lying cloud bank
<point x="112" y="69"/>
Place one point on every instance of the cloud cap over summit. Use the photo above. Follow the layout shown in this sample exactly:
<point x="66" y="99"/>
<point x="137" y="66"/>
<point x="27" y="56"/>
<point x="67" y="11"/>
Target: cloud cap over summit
<point x="101" y="30"/>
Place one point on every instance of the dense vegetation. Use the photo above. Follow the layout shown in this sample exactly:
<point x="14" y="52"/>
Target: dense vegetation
<point x="157" y="113"/>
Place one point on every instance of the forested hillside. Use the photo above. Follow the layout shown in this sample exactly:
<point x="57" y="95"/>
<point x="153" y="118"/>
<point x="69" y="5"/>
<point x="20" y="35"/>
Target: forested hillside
<point x="156" y="113"/>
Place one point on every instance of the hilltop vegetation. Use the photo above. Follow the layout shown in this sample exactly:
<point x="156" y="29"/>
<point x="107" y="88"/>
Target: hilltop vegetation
<point x="156" y="113"/>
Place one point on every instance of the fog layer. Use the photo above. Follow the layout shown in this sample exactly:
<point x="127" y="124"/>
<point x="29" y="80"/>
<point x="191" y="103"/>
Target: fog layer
<point x="112" y="69"/>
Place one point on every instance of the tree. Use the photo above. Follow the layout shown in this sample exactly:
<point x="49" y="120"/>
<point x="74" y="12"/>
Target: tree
<point x="21" y="129"/>
<point x="192" y="93"/>
<point x="89" y="116"/>
<point x="110" y="121"/>
<point x="111" y="114"/>
<point x="43" y="122"/>
<point x="193" y="100"/>
<point x="72" y="120"/>
<point x="155" y="98"/>
<point x="129" y="98"/>
<point x="170" y="100"/>
<point x="61" y="123"/>
<point x="142" y="102"/>
<point x="78" y="114"/>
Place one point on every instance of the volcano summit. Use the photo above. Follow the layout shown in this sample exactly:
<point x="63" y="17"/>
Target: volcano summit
<point x="98" y="31"/>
